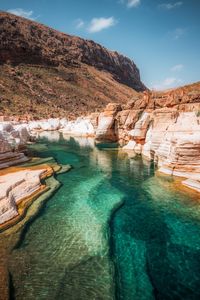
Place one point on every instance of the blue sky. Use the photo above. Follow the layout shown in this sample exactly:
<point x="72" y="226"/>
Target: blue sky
<point x="161" y="36"/>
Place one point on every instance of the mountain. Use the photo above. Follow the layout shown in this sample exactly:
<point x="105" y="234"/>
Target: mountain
<point x="44" y="72"/>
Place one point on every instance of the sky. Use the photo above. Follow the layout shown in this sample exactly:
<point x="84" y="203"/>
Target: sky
<point x="162" y="37"/>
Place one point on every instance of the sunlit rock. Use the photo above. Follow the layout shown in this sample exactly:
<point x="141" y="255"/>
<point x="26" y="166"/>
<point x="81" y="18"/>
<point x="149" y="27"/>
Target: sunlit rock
<point x="12" y="140"/>
<point x="107" y="129"/>
<point x="52" y="136"/>
<point x="79" y="127"/>
<point x="13" y="188"/>
<point x="130" y="146"/>
<point x="192" y="184"/>
<point x="141" y="127"/>
<point x="138" y="149"/>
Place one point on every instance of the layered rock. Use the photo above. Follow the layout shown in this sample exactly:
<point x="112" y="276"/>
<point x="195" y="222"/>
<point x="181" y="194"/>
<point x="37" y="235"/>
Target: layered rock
<point x="138" y="134"/>
<point x="107" y="129"/>
<point x="169" y="136"/>
<point x="14" y="187"/>
<point x="126" y="120"/>
<point x="12" y="141"/>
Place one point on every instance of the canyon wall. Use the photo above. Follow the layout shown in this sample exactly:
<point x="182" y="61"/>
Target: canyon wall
<point x="162" y="127"/>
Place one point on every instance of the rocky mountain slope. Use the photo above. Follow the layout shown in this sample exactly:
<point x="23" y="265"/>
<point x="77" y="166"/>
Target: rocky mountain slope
<point x="47" y="73"/>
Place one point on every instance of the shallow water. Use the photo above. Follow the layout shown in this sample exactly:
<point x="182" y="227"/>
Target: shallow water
<point x="113" y="230"/>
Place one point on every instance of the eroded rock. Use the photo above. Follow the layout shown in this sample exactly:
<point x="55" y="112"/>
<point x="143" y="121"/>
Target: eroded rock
<point x="13" y="188"/>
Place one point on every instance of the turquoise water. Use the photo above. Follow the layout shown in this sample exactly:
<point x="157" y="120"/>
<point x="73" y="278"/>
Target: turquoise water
<point x="113" y="230"/>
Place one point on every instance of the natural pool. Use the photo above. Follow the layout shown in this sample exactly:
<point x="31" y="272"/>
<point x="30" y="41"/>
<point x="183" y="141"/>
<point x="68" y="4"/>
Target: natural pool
<point x="113" y="230"/>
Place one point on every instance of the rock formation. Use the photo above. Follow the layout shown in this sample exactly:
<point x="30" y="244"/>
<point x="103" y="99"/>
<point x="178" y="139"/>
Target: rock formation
<point x="13" y="139"/>
<point x="106" y="129"/>
<point x="163" y="127"/>
<point x="80" y="127"/>
<point x="15" y="187"/>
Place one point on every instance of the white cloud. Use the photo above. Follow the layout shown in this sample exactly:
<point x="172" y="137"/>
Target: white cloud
<point x="177" y="33"/>
<point x="167" y="83"/>
<point x="21" y="13"/>
<point x="169" y="6"/>
<point x="177" y="68"/>
<point x="98" y="24"/>
<point x="79" y="23"/>
<point x="131" y="3"/>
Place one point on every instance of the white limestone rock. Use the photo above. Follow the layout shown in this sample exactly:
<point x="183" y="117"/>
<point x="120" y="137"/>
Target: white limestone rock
<point x="138" y="148"/>
<point x="192" y="184"/>
<point x="106" y="129"/>
<point x="130" y="146"/>
<point x="141" y="127"/>
<point x="79" y="127"/>
<point x="12" y="138"/>
<point x="13" y="188"/>
<point x="44" y="125"/>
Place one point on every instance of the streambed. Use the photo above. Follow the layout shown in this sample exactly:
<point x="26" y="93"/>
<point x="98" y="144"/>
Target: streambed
<point x="114" y="230"/>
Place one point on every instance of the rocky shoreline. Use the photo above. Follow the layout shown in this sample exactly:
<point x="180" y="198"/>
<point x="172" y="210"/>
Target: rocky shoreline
<point x="21" y="177"/>
<point x="168" y="136"/>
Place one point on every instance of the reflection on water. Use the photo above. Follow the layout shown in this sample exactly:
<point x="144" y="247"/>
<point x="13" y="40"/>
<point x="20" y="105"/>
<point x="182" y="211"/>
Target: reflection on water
<point x="149" y="249"/>
<point x="51" y="136"/>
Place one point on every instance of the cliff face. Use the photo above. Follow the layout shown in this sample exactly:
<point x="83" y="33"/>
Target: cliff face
<point x="53" y="73"/>
<point x="163" y="127"/>
<point x="32" y="43"/>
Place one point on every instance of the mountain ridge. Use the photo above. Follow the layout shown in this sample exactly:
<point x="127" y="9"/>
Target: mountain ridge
<point x="45" y="73"/>
<point x="37" y="43"/>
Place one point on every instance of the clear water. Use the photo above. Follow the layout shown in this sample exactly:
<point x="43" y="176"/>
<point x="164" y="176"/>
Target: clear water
<point x="113" y="230"/>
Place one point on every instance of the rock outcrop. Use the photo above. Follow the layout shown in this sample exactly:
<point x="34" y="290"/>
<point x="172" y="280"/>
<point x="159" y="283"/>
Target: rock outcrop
<point x="13" y="140"/>
<point x="169" y="136"/>
<point x="106" y="130"/>
<point x="45" y="125"/>
<point x="80" y="127"/>
<point x="14" y="187"/>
